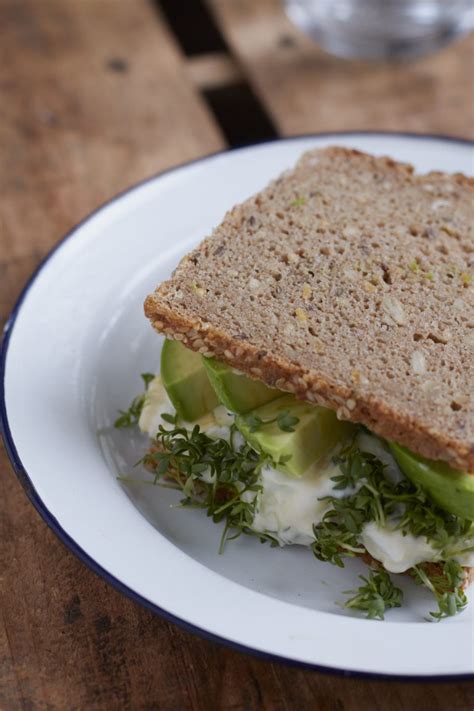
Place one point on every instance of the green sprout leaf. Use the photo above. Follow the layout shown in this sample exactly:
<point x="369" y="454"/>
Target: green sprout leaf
<point x="254" y="423"/>
<point x="285" y="421"/>
<point x="147" y="378"/>
<point x="170" y="419"/>
<point x="446" y="588"/>
<point x="376" y="596"/>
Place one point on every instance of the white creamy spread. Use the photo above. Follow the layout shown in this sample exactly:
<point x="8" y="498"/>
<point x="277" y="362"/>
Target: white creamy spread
<point x="288" y="507"/>
<point x="216" y="424"/>
<point x="400" y="552"/>
<point x="157" y="403"/>
<point x="396" y="551"/>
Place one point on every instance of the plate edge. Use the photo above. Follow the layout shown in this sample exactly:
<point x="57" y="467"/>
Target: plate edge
<point x="53" y="523"/>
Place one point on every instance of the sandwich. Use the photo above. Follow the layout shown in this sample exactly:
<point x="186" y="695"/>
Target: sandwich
<point x="317" y="380"/>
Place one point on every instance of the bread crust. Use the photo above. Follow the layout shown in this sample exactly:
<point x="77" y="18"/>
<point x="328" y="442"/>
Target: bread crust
<point x="212" y="336"/>
<point x="432" y="569"/>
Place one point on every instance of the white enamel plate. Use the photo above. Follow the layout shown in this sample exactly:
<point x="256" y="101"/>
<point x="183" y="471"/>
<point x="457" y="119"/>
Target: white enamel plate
<point x="72" y="354"/>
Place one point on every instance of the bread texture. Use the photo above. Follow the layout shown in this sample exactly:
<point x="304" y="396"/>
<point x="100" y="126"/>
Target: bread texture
<point x="348" y="281"/>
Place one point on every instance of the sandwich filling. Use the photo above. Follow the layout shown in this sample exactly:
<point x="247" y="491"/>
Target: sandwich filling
<point x="262" y="463"/>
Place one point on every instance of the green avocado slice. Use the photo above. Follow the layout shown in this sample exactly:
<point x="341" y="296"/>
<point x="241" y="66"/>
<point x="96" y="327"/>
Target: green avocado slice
<point x="237" y="392"/>
<point x="185" y="380"/>
<point x="451" y="489"/>
<point x="315" y="434"/>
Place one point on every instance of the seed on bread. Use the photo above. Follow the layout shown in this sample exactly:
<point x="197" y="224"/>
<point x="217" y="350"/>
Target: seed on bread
<point x="418" y="363"/>
<point x="301" y="315"/>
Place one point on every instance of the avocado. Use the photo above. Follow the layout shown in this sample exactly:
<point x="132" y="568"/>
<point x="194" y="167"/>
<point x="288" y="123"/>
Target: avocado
<point x="315" y="434"/>
<point x="451" y="489"/>
<point x="185" y="380"/>
<point x="237" y="392"/>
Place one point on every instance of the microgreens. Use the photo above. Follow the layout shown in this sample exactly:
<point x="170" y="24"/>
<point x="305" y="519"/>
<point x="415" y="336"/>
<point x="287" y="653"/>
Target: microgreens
<point x="447" y="588"/>
<point x="406" y="506"/>
<point x="377" y="595"/>
<point x="212" y="474"/>
<point x="223" y="477"/>
<point x="337" y="536"/>
<point x="284" y="420"/>
<point x="130" y="417"/>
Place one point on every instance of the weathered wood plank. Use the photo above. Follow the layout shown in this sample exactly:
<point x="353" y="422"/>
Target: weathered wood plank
<point x="94" y="96"/>
<point x="305" y="89"/>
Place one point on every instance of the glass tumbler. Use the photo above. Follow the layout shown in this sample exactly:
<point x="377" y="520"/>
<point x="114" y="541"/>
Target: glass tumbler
<point x="376" y="29"/>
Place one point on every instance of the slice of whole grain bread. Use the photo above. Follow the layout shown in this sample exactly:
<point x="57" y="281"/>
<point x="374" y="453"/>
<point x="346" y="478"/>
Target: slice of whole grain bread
<point x="347" y="281"/>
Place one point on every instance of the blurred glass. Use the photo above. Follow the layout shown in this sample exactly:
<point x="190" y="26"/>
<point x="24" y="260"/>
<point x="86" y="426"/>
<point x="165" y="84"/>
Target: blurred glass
<point x="374" y="29"/>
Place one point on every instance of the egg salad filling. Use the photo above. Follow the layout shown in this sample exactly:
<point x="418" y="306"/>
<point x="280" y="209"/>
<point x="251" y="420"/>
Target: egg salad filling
<point x="278" y="472"/>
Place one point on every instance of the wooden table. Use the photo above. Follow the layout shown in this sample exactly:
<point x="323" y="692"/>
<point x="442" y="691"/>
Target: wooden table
<point x="95" y="95"/>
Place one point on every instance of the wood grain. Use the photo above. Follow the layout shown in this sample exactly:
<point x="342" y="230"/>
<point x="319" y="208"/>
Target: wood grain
<point x="306" y="90"/>
<point x="94" y="95"/>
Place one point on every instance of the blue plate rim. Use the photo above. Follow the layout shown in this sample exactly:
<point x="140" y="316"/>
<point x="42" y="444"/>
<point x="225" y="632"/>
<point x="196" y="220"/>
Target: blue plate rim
<point x="53" y="523"/>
